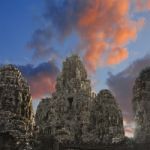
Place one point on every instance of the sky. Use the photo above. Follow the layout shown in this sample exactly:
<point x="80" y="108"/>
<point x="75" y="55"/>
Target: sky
<point x="111" y="37"/>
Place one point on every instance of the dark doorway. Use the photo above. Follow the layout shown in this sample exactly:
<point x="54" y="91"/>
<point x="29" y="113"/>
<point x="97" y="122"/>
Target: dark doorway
<point x="70" y="100"/>
<point x="7" y="142"/>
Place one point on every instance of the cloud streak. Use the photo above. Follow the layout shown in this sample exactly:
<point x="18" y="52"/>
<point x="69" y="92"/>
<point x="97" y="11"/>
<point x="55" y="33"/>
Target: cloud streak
<point x="41" y="44"/>
<point x="104" y="28"/>
<point x="142" y="5"/>
<point x="41" y="78"/>
<point x="121" y="85"/>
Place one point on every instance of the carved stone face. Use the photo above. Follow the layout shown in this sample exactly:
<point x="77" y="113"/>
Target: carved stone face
<point x="74" y="118"/>
<point x="141" y="105"/>
<point x="15" y="94"/>
<point x="16" y="113"/>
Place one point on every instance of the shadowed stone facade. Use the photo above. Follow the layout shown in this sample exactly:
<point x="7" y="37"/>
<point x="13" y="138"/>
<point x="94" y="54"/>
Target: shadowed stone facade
<point x="67" y="112"/>
<point x="106" y="119"/>
<point x="141" y="106"/>
<point x="16" y="114"/>
<point x="72" y="114"/>
<point x="73" y="117"/>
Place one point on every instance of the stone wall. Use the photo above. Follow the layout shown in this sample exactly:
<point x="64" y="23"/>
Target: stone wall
<point x="16" y="113"/>
<point x="73" y="116"/>
<point x="67" y="112"/>
<point x="106" y="119"/>
<point x="69" y="116"/>
<point x="141" y="106"/>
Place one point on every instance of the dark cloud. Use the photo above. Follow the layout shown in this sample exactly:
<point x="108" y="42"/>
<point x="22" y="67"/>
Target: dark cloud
<point x="122" y="83"/>
<point x="59" y="16"/>
<point x="103" y="26"/>
<point x="41" y="78"/>
<point x="41" y="43"/>
<point x="64" y="14"/>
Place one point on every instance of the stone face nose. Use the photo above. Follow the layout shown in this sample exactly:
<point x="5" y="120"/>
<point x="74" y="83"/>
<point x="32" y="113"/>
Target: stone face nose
<point x="141" y="106"/>
<point x="16" y="113"/>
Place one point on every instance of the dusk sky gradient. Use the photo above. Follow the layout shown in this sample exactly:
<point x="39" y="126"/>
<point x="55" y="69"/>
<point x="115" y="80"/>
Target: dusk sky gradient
<point x="111" y="36"/>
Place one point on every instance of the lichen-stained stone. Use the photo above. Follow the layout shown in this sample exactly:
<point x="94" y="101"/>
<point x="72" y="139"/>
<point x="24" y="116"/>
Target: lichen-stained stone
<point x="106" y="119"/>
<point x="73" y="78"/>
<point x="46" y="116"/>
<point x="141" y="106"/>
<point x="16" y="113"/>
<point x="71" y="114"/>
<point x="67" y="113"/>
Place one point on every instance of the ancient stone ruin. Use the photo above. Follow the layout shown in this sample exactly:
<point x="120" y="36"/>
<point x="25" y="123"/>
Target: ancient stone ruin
<point x="74" y="114"/>
<point x="74" y="117"/>
<point x="16" y="114"/>
<point x="68" y="110"/>
<point x="106" y="119"/>
<point x="141" y="106"/>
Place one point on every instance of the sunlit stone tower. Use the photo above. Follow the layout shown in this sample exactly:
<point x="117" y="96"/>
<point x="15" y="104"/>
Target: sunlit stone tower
<point x="76" y="115"/>
<point x="68" y="109"/>
<point x="106" y="119"/>
<point x="16" y="113"/>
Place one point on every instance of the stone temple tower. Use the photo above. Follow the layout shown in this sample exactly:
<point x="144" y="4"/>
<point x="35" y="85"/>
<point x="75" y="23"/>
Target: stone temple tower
<point x="106" y="119"/>
<point x="76" y="115"/>
<point x="141" y="106"/>
<point x="68" y="109"/>
<point x="16" y="113"/>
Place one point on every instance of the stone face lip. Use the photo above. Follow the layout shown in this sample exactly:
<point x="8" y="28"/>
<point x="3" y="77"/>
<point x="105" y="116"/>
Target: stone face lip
<point x="141" y="106"/>
<point x="16" y="113"/>
<point x="74" y="114"/>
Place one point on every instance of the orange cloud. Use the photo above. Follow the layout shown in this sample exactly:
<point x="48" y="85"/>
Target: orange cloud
<point x="97" y="23"/>
<point x="142" y="5"/>
<point x="124" y="34"/>
<point x="42" y="85"/>
<point x="122" y="8"/>
<point x="41" y="78"/>
<point x="94" y="53"/>
<point x="117" y="55"/>
<point x="107" y="23"/>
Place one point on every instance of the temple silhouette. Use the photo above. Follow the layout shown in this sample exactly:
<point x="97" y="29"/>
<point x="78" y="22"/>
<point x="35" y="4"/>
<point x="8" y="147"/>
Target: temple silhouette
<point x="74" y="117"/>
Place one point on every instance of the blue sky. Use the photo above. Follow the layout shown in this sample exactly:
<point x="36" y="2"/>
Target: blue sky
<point x="25" y="23"/>
<point x="19" y="19"/>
